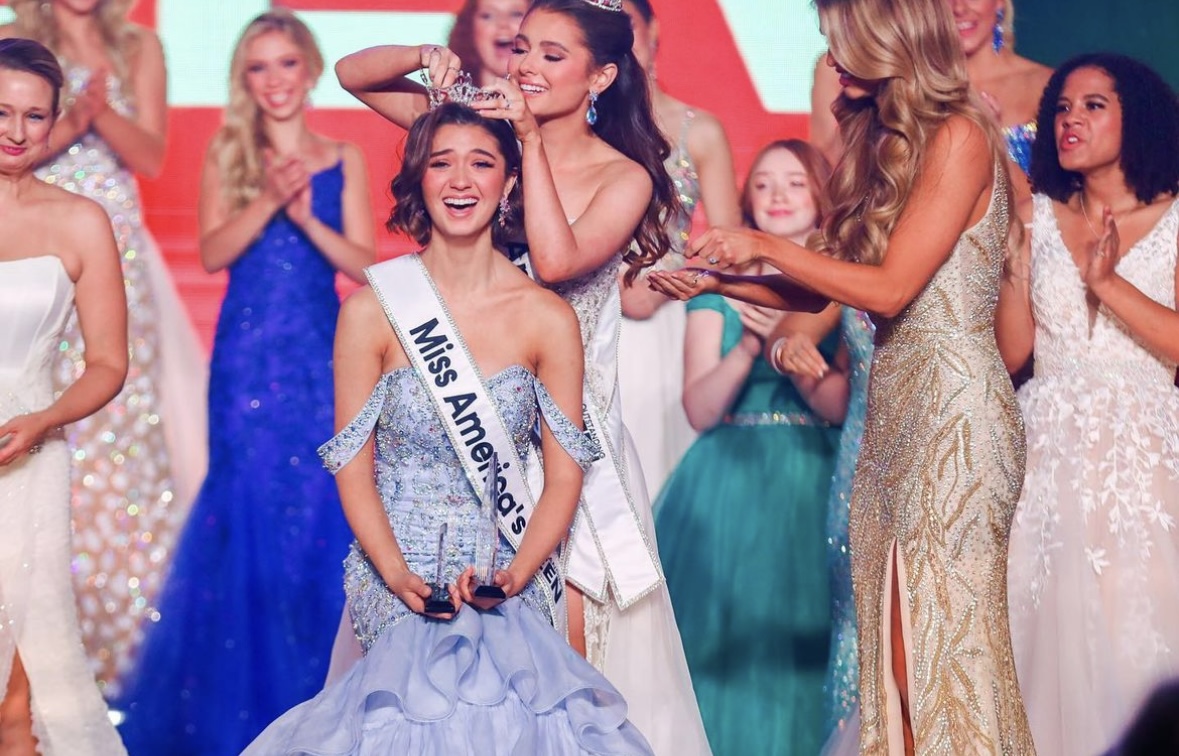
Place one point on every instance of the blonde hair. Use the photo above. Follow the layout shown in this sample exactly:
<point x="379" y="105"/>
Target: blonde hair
<point x="910" y="50"/>
<point x="238" y="144"/>
<point x="35" y="20"/>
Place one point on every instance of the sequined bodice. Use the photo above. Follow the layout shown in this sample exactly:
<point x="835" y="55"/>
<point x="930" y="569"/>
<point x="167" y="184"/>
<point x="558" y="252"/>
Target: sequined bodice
<point x="1065" y="349"/>
<point x="423" y="485"/>
<point x="1020" y="139"/>
<point x="89" y="166"/>
<point x="595" y="299"/>
<point x="36" y="298"/>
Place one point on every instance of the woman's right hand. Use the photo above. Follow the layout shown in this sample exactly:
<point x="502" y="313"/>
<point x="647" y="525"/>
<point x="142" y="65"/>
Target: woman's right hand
<point x="412" y="590"/>
<point x="441" y="64"/>
<point x="284" y="177"/>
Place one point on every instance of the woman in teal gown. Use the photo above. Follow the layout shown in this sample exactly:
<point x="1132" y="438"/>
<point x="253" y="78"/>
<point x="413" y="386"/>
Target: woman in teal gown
<point x="741" y="523"/>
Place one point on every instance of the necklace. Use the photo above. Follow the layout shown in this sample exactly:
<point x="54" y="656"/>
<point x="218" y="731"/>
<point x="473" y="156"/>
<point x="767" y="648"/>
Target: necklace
<point x="1085" y="212"/>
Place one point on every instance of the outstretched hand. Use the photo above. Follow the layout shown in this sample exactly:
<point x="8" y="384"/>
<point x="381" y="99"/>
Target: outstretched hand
<point x="683" y="284"/>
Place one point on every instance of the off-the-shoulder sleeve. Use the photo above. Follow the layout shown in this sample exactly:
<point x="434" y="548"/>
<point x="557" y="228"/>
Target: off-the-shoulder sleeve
<point x="581" y="445"/>
<point x="346" y="444"/>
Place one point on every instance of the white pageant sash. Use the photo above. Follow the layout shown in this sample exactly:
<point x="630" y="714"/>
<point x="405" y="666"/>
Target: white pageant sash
<point x="472" y="421"/>
<point x="607" y="546"/>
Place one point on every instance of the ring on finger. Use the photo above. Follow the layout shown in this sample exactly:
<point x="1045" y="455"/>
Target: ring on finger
<point x="34" y="448"/>
<point x="713" y="261"/>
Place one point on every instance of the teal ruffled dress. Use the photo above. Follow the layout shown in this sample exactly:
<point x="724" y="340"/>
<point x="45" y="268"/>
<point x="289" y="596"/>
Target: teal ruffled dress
<point x="741" y="526"/>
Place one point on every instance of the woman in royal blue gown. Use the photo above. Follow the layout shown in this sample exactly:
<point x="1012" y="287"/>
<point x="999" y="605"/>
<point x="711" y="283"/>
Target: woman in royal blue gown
<point x="250" y="607"/>
<point x="478" y="675"/>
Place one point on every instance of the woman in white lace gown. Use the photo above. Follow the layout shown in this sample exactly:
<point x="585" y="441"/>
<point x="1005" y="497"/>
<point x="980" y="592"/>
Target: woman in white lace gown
<point x="1093" y="574"/>
<point x="139" y="461"/>
<point x="47" y="269"/>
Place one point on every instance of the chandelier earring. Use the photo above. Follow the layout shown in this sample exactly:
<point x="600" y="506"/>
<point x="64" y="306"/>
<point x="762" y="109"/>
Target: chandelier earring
<point x="591" y="115"/>
<point x="505" y="211"/>
<point x="998" y="40"/>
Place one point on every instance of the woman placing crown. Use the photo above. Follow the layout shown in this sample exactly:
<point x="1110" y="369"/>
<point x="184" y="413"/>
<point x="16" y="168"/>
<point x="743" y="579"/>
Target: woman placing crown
<point x="593" y="181"/>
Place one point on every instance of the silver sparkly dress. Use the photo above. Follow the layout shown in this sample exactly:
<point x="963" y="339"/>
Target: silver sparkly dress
<point x="137" y="462"/>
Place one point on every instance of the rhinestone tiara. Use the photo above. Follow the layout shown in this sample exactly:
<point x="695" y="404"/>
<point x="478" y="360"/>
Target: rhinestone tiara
<point x="610" y="5"/>
<point x="462" y="91"/>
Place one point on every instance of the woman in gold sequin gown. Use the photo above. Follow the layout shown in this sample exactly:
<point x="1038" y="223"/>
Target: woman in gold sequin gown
<point x="920" y="222"/>
<point x="139" y="461"/>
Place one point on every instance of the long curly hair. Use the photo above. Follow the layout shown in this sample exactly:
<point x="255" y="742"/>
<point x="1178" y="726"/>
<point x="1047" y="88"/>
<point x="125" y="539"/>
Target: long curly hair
<point x="909" y="50"/>
<point x="238" y="145"/>
<point x="626" y="121"/>
<point x="1150" y="129"/>
<point x="35" y="20"/>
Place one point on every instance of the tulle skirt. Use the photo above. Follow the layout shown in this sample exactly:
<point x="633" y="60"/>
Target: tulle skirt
<point x="499" y="682"/>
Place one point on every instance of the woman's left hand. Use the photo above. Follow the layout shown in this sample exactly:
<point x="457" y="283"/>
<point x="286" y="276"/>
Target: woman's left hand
<point x="510" y="106"/>
<point x="22" y="434"/>
<point x="683" y="284"/>
<point x="727" y="247"/>
<point x="760" y="321"/>
<point x="504" y="579"/>
<point x="1104" y="255"/>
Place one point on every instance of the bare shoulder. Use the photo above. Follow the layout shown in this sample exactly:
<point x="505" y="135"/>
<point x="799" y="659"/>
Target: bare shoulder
<point x="361" y="308"/>
<point x="352" y="157"/>
<point x="960" y="138"/>
<point x="618" y="170"/>
<point x="87" y="217"/>
<point x="146" y="47"/>
<point x="706" y="132"/>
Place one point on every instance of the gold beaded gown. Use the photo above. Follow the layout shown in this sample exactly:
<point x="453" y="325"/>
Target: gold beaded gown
<point x="937" y="482"/>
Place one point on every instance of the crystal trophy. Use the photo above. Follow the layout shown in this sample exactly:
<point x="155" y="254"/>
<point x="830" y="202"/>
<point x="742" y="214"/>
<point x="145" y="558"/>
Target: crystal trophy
<point x="439" y="600"/>
<point x="487" y="536"/>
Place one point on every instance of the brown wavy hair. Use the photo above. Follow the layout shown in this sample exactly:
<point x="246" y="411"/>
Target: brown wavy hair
<point x="239" y="143"/>
<point x="30" y="56"/>
<point x="409" y="207"/>
<point x="909" y="50"/>
<point x="35" y="20"/>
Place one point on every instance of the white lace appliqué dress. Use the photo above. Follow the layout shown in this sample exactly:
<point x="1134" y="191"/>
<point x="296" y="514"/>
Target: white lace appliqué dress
<point x="1094" y="562"/>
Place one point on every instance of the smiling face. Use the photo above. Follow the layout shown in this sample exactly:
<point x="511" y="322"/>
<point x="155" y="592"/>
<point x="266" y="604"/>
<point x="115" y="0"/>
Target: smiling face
<point x="1088" y="123"/>
<point x="26" y="117"/>
<point x="464" y="179"/>
<point x="975" y="21"/>
<point x="494" y="29"/>
<point x="77" y="7"/>
<point x="781" y="199"/>
<point x="553" y="66"/>
<point x="276" y="75"/>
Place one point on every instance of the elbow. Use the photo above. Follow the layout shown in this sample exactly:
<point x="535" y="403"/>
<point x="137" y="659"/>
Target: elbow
<point x="890" y="304"/>
<point x="209" y="261"/>
<point x="344" y="74"/>
<point x="699" y="417"/>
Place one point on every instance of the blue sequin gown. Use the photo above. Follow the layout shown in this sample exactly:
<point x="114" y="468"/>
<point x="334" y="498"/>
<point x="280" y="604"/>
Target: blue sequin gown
<point x="741" y="532"/>
<point x="250" y="607"/>
<point x="497" y="682"/>
<point x="843" y="678"/>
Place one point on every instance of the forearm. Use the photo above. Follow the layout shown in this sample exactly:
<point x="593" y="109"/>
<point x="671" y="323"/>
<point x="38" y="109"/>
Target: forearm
<point x="1156" y="325"/>
<point x="777" y="292"/>
<point x="549" y="525"/>
<point x="369" y="523"/>
<point x="827" y="396"/>
<point x="377" y="77"/>
<point x="709" y="397"/>
<point x="100" y="382"/>
<point x="345" y="255"/>
<point x="222" y="246"/>
<point x="140" y="150"/>
<point x="552" y="247"/>
<point x="1015" y="329"/>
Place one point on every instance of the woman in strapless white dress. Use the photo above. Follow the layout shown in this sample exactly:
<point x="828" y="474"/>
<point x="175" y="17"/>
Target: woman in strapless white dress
<point x="48" y="269"/>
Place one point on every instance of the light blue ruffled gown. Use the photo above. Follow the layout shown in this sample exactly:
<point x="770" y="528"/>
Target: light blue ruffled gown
<point x="496" y="682"/>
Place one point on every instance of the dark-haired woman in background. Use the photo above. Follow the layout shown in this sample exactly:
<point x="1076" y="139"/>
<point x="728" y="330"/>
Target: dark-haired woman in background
<point x="483" y="34"/>
<point x="1094" y="564"/>
<point x="489" y="676"/>
<point x="593" y="181"/>
<point x="48" y="270"/>
<point x="651" y="345"/>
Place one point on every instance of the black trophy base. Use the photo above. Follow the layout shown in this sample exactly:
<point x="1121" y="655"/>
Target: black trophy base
<point x="439" y="601"/>
<point x="490" y="592"/>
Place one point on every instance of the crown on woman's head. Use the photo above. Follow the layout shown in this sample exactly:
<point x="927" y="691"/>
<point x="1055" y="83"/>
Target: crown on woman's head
<point x="462" y="91"/>
<point x="610" y="5"/>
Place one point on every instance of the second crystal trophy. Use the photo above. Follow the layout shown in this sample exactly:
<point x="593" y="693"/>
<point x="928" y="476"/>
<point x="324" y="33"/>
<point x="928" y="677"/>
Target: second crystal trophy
<point x="439" y="601"/>
<point x="487" y="536"/>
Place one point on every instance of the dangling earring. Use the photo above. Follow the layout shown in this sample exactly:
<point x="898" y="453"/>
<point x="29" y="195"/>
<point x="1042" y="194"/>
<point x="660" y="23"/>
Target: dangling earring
<point x="505" y="211"/>
<point x="997" y="40"/>
<point x="591" y="115"/>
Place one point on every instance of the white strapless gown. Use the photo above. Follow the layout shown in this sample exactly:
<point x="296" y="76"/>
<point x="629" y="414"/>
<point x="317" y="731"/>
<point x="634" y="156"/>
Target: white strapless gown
<point x="1093" y="569"/>
<point x="37" y="615"/>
